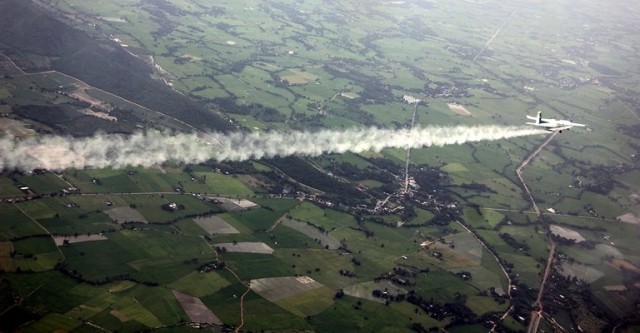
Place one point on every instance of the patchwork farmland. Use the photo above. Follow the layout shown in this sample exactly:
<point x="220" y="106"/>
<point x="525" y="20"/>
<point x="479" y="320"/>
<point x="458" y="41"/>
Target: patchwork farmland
<point x="441" y="239"/>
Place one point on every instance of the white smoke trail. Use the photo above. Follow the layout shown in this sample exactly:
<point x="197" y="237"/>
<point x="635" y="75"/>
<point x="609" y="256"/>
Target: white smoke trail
<point x="149" y="148"/>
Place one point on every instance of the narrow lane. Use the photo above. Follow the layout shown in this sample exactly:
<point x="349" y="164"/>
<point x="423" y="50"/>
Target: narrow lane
<point x="495" y="34"/>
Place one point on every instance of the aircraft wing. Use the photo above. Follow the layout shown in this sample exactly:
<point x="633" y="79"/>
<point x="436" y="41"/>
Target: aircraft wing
<point x="559" y="128"/>
<point x="578" y="125"/>
<point x="545" y="125"/>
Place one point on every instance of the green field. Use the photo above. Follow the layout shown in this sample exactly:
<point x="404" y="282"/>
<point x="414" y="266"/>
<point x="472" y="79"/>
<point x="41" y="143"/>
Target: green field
<point x="16" y="224"/>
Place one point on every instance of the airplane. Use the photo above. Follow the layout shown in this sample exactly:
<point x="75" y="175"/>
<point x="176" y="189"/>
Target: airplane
<point x="552" y="125"/>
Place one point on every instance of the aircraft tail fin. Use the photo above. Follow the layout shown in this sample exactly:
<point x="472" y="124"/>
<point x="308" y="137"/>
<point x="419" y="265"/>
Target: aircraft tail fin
<point x="539" y="118"/>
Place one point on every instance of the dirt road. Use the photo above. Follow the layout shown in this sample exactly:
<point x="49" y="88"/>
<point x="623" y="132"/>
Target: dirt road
<point x="495" y="34"/>
<point x="406" y="168"/>
<point x="536" y="314"/>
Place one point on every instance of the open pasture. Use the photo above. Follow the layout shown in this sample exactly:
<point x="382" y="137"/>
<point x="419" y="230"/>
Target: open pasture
<point x="466" y="245"/>
<point x="200" y="284"/>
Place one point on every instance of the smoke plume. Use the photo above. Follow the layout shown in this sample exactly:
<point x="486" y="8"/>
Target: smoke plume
<point x="153" y="147"/>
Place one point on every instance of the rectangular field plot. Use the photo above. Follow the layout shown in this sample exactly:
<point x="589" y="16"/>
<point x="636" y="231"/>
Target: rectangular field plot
<point x="215" y="225"/>
<point x="247" y="247"/>
<point x="234" y="205"/>
<point x="200" y="284"/>
<point x="125" y="214"/>
<point x="196" y="310"/>
<point x="309" y="303"/>
<point x="275" y="289"/>
<point x="312" y="233"/>
<point x="60" y="240"/>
